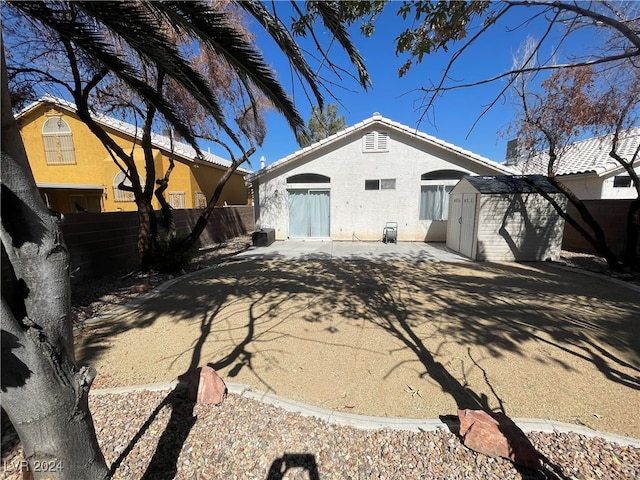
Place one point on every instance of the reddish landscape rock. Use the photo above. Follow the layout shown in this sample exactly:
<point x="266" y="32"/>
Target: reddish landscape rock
<point x="205" y="387"/>
<point x="496" y="435"/>
<point x="139" y="288"/>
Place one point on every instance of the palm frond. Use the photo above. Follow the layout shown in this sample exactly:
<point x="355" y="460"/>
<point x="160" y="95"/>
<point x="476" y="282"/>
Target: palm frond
<point x="215" y="31"/>
<point x="329" y="12"/>
<point x="137" y="24"/>
<point x="274" y="27"/>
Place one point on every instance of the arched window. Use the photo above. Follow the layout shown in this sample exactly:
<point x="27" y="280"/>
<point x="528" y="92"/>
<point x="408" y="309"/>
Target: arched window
<point x="308" y="178"/>
<point x="122" y="195"/>
<point x="58" y="142"/>
<point x="443" y="175"/>
<point x="434" y="193"/>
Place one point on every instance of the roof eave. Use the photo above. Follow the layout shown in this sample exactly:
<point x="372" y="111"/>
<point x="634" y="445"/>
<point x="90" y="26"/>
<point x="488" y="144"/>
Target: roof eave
<point x="69" y="107"/>
<point x="391" y="124"/>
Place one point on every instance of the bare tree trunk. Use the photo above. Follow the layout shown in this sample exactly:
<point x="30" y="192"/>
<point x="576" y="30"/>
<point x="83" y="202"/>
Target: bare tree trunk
<point x="146" y="234"/>
<point x="167" y="212"/>
<point x="201" y="223"/>
<point x="44" y="393"/>
<point x="598" y="240"/>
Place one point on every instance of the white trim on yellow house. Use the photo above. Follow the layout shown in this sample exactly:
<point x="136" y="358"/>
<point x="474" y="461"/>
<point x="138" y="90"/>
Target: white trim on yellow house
<point x="70" y="186"/>
<point x="161" y="142"/>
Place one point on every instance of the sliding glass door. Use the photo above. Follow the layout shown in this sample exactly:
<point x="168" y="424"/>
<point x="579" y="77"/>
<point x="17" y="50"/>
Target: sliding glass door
<point x="309" y="215"/>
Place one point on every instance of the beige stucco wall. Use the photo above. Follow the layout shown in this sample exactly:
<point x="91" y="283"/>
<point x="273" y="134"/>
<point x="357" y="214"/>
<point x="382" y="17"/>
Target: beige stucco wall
<point x="356" y="213"/>
<point x="592" y="187"/>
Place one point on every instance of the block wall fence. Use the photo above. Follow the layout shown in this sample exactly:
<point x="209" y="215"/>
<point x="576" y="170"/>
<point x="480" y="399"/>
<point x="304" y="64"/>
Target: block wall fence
<point x="102" y="243"/>
<point x="612" y="217"/>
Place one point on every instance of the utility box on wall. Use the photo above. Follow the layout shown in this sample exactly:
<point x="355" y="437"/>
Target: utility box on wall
<point x="505" y="218"/>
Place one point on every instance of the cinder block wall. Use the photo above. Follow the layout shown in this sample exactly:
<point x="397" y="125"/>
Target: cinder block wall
<point x="612" y="217"/>
<point x="102" y="243"/>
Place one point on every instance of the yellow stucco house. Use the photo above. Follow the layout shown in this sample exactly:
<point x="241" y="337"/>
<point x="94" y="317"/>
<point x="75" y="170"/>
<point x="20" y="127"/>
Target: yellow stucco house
<point x="75" y="173"/>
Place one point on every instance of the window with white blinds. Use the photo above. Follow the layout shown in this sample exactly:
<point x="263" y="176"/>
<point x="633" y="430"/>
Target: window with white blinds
<point x="177" y="199"/>
<point x="58" y="142"/>
<point x="375" y="142"/>
<point x="199" y="200"/>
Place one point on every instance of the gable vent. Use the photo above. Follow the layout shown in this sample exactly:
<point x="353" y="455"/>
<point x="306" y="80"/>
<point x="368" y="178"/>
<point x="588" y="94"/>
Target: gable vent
<point x="376" y="142"/>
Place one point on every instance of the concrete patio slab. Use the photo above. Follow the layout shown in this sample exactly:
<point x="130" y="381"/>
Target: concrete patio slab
<point x="326" y="250"/>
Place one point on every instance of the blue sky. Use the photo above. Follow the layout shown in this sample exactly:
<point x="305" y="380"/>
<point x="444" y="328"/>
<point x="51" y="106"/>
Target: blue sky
<point x="398" y="98"/>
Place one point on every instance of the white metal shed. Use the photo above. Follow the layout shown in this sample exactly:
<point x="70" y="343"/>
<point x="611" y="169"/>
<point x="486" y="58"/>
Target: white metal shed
<point x="505" y="218"/>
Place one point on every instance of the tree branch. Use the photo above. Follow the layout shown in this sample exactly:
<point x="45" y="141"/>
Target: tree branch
<point x="575" y="7"/>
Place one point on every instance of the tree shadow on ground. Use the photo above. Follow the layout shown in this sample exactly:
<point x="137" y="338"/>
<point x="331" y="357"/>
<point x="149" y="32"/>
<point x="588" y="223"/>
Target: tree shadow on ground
<point x="496" y="307"/>
<point x="164" y="463"/>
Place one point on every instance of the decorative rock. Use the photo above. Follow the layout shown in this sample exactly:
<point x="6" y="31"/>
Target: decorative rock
<point x="140" y="288"/>
<point x="496" y="435"/>
<point x="205" y="387"/>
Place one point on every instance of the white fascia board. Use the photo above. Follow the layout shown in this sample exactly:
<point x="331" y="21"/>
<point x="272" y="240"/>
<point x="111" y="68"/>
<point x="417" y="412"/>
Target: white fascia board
<point x="67" y="186"/>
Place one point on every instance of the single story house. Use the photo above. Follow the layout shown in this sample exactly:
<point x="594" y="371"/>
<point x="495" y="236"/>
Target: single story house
<point x="349" y="185"/>
<point x="75" y="173"/>
<point x="586" y="166"/>
<point x="505" y="218"/>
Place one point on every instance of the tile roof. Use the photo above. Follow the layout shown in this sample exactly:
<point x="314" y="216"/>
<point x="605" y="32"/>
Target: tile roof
<point x="587" y="156"/>
<point x="158" y="141"/>
<point x="379" y="119"/>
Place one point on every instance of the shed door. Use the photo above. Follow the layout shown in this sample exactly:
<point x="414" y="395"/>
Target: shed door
<point x="468" y="223"/>
<point x="309" y="214"/>
<point x="455" y="222"/>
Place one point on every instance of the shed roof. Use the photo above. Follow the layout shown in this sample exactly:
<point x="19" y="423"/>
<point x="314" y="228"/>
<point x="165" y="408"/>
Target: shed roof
<point x="378" y="119"/>
<point x="163" y="142"/>
<point x="511" y="184"/>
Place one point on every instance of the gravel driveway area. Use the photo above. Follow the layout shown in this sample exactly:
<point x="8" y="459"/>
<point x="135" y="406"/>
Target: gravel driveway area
<point x="378" y="338"/>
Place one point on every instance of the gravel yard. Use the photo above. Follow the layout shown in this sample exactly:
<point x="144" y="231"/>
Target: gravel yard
<point x="244" y="439"/>
<point x="159" y="435"/>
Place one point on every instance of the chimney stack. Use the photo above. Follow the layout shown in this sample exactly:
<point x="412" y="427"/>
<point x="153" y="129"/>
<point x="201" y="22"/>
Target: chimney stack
<point x="515" y="152"/>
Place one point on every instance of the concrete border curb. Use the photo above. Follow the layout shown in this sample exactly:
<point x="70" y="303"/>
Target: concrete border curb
<point x="132" y="304"/>
<point x="365" y="422"/>
<point x="589" y="273"/>
<point x="142" y="299"/>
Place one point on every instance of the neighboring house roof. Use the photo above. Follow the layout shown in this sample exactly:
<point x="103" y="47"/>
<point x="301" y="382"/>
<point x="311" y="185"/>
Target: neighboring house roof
<point x="162" y="142"/>
<point x="510" y="184"/>
<point x="378" y="119"/>
<point x="587" y="156"/>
